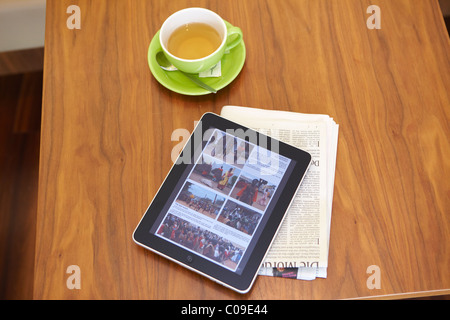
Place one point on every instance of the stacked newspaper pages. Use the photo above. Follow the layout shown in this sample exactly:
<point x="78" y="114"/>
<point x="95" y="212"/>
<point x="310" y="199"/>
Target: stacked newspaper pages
<point x="300" y="249"/>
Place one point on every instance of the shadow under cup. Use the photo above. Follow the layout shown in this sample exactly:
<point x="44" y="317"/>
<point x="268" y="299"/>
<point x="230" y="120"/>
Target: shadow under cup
<point x="230" y="36"/>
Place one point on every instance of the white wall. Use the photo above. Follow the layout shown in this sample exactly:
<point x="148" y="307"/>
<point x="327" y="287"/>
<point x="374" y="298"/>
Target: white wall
<point x="22" y="24"/>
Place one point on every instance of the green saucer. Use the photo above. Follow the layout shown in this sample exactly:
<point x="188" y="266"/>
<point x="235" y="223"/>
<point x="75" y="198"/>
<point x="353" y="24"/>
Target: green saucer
<point x="232" y="64"/>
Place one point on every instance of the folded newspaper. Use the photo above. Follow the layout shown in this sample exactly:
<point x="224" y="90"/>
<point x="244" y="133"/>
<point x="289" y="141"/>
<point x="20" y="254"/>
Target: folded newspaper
<point x="300" y="249"/>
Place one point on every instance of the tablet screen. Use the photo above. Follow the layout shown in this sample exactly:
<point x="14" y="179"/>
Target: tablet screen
<point x="224" y="198"/>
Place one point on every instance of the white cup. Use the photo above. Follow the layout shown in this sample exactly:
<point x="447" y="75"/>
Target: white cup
<point x="199" y="15"/>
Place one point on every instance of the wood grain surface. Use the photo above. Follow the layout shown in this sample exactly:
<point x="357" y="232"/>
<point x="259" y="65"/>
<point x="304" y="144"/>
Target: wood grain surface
<point x="21" y="61"/>
<point x="20" y="110"/>
<point x="107" y="125"/>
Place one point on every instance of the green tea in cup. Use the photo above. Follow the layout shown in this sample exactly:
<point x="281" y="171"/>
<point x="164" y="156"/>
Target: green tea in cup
<point x="194" y="41"/>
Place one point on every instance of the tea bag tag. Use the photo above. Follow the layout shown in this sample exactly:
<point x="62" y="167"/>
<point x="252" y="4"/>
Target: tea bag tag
<point x="214" y="72"/>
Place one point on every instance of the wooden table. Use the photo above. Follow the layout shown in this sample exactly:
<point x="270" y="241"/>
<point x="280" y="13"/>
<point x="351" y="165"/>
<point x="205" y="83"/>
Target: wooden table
<point x="106" y="142"/>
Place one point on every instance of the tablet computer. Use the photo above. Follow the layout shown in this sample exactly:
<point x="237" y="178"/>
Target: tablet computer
<point x="222" y="203"/>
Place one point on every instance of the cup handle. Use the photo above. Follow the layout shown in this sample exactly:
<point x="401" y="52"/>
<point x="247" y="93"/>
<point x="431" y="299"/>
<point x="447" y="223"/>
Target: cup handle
<point x="237" y="34"/>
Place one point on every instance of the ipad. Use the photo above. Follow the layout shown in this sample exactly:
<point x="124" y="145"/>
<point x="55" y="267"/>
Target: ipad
<point x="222" y="203"/>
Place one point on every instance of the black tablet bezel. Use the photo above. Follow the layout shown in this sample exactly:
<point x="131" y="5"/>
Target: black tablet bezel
<point x="240" y="282"/>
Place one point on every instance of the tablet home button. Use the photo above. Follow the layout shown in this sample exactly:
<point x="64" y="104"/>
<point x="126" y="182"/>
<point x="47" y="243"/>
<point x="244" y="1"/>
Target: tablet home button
<point x="189" y="258"/>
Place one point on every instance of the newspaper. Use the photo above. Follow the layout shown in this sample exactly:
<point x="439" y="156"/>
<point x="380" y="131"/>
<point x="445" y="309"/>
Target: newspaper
<point x="300" y="249"/>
